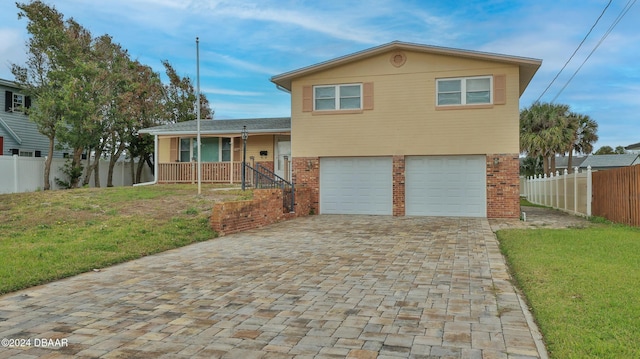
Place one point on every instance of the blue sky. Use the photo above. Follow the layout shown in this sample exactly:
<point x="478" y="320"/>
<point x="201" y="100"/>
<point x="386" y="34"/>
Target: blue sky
<point x="243" y="43"/>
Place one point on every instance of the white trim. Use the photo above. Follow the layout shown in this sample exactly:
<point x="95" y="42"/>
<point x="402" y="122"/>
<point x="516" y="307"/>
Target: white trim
<point x="463" y="90"/>
<point x="337" y="97"/>
<point x="21" y="150"/>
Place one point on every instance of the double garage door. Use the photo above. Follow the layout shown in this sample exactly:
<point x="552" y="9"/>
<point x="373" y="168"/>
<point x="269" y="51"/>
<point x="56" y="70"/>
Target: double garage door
<point x="434" y="185"/>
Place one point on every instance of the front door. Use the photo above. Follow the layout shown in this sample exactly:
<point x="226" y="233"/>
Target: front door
<point x="283" y="149"/>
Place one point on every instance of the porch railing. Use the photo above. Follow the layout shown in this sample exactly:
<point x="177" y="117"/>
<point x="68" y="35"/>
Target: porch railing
<point x="187" y="172"/>
<point x="262" y="177"/>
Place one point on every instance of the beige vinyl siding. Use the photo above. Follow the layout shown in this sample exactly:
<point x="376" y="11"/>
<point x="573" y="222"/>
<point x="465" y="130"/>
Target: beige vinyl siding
<point x="164" y="149"/>
<point x="405" y="120"/>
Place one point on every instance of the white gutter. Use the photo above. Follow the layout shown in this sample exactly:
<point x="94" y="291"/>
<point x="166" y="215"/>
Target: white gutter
<point x="155" y="164"/>
<point x="217" y="133"/>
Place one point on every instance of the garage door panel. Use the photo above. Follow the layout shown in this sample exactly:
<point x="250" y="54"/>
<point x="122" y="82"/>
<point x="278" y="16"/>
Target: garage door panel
<point x="356" y="185"/>
<point x="446" y="186"/>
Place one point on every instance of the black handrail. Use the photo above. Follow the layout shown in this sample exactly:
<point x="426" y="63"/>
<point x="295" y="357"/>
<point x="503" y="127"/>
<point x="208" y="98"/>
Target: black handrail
<point x="262" y="177"/>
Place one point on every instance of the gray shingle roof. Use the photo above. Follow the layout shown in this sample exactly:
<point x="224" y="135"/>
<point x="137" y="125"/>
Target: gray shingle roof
<point x="223" y="127"/>
<point x="603" y="161"/>
<point x="635" y="146"/>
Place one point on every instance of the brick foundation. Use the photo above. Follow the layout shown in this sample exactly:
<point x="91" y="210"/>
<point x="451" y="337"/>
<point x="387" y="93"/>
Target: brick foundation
<point x="265" y="208"/>
<point x="503" y="186"/>
<point x="306" y="174"/>
<point x="398" y="186"/>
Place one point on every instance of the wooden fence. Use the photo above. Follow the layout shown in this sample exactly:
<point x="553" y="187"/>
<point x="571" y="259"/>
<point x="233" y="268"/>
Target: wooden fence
<point x="616" y="195"/>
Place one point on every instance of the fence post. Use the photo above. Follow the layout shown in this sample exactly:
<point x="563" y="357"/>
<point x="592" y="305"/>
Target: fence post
<point x="575" y="190"/>
<point x="544" y="189"/>
<point x="589" y="190"/>
<point x="15" y="174"/>
<point x="536" y="195"/>
<point x="564" y="178"/>
<point x="556" y="185"/>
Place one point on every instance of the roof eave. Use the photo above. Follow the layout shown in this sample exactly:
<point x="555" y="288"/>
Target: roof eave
<point x="165" y="132"/>
<point x="528" y="66"/>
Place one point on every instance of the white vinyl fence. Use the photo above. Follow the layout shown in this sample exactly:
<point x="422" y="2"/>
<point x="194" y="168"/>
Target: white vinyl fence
<point x="567" y="192"/>
<point x="26" y="174"/>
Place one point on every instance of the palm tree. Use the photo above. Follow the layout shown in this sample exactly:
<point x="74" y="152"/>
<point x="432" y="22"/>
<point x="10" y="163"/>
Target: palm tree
<point x="584" y="136"/>
<point x="545" y="131"/>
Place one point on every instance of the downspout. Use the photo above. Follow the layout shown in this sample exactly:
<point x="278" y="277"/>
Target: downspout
<point x="155" y="164"/>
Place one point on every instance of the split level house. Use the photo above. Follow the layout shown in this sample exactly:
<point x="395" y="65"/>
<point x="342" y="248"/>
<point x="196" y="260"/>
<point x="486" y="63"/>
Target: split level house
<point x="399" y="129"/>
<point x="408" y="129"/>
<point x="19" y="135"/>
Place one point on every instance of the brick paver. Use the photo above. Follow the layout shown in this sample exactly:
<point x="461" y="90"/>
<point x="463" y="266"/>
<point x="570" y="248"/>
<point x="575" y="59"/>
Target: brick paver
<point x="315" y="287"/>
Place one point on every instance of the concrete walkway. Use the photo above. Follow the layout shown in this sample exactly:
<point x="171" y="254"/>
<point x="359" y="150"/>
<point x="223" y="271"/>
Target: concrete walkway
<point x="316" y="287"/>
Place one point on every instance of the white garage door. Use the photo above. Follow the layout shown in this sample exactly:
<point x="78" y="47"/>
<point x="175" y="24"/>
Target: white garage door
<point x="356" y="185"/>
<point x="446" y="186"/>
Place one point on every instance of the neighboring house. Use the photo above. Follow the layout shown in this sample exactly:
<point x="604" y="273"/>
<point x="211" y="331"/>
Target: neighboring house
<point x="607" y="162"/>
<point x="19" y="135"/>
<point x="408" y="129"/>
<point x="635" y="148"/>
<point x="269" y="144"/>
<point x="563" y="161"/>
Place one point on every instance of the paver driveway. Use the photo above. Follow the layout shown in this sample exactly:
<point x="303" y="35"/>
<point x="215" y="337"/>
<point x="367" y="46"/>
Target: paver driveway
<point x="316" y="287"/>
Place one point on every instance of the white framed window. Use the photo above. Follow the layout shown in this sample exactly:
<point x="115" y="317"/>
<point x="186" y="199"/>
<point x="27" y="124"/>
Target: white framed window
<point x="464" y="91"/>
<point x="26" y="153"/>
<point x="337" y="97"/>
<point x="18" y="103"/>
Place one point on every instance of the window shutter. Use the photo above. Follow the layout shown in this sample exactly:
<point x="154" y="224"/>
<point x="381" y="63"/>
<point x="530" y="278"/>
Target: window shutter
<point x="367" y="96"/>
<point x="173" y="149"/>
<point x="499" y="89"/>
<point x="27" y="101"/>
<point x="307" y="98"/>
<point x="8" y="101"/>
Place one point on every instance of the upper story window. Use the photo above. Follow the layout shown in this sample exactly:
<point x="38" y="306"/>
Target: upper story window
<point x="337" y="97"/>
<point x="464" y="91"/>
<point x="15" y="102"/>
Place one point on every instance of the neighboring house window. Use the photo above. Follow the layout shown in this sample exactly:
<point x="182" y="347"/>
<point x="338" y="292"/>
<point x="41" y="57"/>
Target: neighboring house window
<point x="337" y="97"/>
<point x="26" y="153"/>
<point x="189" y="149"/>
<point x="464" y="91"/>
<point x="15" y="102"/>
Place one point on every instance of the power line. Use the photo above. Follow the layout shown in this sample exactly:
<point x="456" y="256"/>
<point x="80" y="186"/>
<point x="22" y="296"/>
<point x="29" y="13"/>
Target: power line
<point x="624" y="11"/>
<point x="574" y="53"/>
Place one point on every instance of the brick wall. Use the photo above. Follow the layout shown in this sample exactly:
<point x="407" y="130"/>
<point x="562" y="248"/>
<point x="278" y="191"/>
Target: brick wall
<point x="398" y="186"/>
<point x="503" y="186"/>
<point x="265" y="208"/>
<point x="306" y="174"/>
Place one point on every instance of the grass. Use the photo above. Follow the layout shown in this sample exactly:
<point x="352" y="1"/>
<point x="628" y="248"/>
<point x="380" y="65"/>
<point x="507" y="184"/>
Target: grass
<point x="582" y="285"/>
<point x="55" y="234"/>
<point x="524" y="202"/>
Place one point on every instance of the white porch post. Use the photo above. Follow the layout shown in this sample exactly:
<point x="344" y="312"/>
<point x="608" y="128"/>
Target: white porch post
<point x="231" y="166"/>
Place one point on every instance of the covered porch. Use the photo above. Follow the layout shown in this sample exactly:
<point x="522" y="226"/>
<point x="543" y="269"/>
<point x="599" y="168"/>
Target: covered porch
<point x="221" y="147"/>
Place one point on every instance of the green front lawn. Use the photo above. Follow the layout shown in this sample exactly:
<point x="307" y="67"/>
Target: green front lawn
<point x="49" y="235"/>
<point x="583" y="286"/>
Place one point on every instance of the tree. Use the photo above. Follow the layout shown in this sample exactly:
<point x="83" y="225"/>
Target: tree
<point x="180" y="98"/>
<point x="545" y="131"/>
<point x="608" y="150"/>
<point x="604" y="150"/>
<point x="584" y="136"/>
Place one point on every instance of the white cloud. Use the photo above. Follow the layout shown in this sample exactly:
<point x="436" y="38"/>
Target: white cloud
<point x="228" y="92"/>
